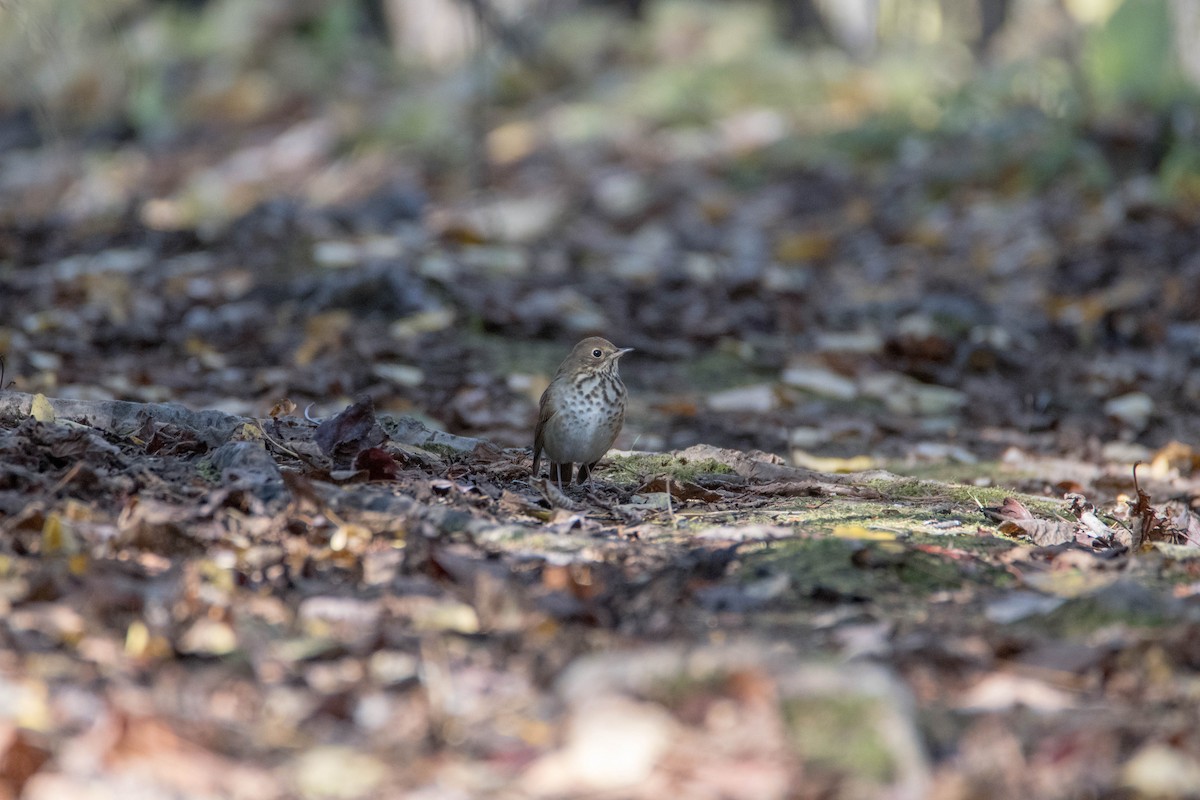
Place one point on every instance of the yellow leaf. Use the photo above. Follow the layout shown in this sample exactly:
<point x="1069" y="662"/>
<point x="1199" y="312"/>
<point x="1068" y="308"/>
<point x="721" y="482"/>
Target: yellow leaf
<point x="511" y="142"/>
<point x="832" y="464"/>
<point x="32" y="706"/>
<point x="208" y="637"/>
<point x="247" y="432"/>
<point x="137" y="639"/>
<point x="803" y="246"/>
<point x="40" y="409"/>
<point x="78" y="564"/>
<point x="52" y="535"/>
<point x="339" y="539"/>
<point x="448" y="617"/>
<point x="1174" y="455"/>
<point x="421" y="322"/>
<point x="349" y="536"/>
<point x="859" y="532"/>
<point x="535" y="732"/>
<point x="283" y="408"/>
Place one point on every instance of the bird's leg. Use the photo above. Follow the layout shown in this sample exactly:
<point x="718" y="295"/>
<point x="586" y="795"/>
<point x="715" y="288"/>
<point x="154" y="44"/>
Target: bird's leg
<point x="556" y="473"/>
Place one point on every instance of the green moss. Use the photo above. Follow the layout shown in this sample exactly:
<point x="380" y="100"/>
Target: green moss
<point x="967" y="496"/>
<point x="643" y="466"/>
<point x="1084" y="616"/>
<point x="956" y="472"/>
<point x="928" y="573"/>
<point x="208" y="472"/>
<point x="853" y="569"/>
<point x="443" y="450"/>
<point x="907" y="488"/>
<point x="840" y="732"/>
<point x="902" y="519"/>
<point x="969" y="542"/>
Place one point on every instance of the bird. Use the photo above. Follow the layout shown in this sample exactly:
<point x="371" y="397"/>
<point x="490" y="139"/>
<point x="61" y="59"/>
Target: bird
<point x="581" y="411"/>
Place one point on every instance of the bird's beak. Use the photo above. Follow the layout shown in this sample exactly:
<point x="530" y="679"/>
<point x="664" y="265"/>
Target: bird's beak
<point x="622" y="352"/>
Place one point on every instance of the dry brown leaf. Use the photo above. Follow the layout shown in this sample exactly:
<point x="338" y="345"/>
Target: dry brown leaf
<point x="1042" y="532"/>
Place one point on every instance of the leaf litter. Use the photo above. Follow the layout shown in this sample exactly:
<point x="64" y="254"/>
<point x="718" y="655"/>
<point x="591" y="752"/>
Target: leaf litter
<point x="445" y="587"/>
<point x="243" y="602"/>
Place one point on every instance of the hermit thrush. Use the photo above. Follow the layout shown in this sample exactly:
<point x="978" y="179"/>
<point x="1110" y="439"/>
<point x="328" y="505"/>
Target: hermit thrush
<point x="581" y="410"/>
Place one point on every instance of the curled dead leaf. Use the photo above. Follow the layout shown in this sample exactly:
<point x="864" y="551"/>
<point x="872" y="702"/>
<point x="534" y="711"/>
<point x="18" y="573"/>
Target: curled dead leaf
<point x="1042" y="532"/>
<point x="1010" y="509"/>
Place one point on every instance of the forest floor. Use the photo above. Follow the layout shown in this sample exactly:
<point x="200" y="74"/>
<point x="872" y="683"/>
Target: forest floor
<point x="903" y="506"/>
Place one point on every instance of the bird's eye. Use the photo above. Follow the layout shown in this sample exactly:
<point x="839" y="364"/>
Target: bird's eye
<point x="596" y="353"/>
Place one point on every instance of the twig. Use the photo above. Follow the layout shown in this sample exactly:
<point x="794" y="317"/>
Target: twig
<point x="65" y="479"/>
<point x="279" y="446"/>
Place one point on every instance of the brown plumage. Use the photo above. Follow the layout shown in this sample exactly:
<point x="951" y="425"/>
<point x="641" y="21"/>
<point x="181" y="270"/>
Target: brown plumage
<point x="581" y="411"/>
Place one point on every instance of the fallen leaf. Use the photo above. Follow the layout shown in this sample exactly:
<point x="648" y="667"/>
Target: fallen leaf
<point x="832" y="464"/>
<point x="208" y="637"/>
<point x="1042" y="532"/>
<point x="999" y="691"/>
<point x="353" y="429"/>
<point x="378" y="464"/>
<point x="1009" y="509"/>
<point x="333" y="772"/>
<point x="41" y="410"/>
<point x="860" y="532"/>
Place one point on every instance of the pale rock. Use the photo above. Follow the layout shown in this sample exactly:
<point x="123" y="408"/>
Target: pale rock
<point x="497" y="260"/>
<point x="1126" y="452"/>
<point x="1159" y="770"/>
<point x="208" y="637"/>
<point x="864" y="341"/>
<point x="758" y="398"/>
<point x="808" y="438"/>
<point x="781" y="279"/>
<point x="820" y="381"/>
<point x="612" y="743"/>
<point x="336" y="254"/>
<point x="422" y="322"/>
<point x="621" y="195"/>
<point x="336" y="772"/>
<point x="999" y="691"/>
<point x="745" y="533"/>
<point x="906" y="396"/>
<point x="1133" y="409"/>
<point x="399" y="374"/>
<point x="517" y="219"/>
<point x="649" y="247"/>
<point x="942" y="451"/>
<point x="701" y="268"/>
<point x="1016" y="606"/>
<point x="572" y="310"/>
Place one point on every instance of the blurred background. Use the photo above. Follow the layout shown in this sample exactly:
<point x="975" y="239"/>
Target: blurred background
<point x="830" y="228"/>
<point x="450" y="93"/>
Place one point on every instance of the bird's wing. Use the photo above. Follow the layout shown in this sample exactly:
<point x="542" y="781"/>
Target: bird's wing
<point x="540" y="431"/>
